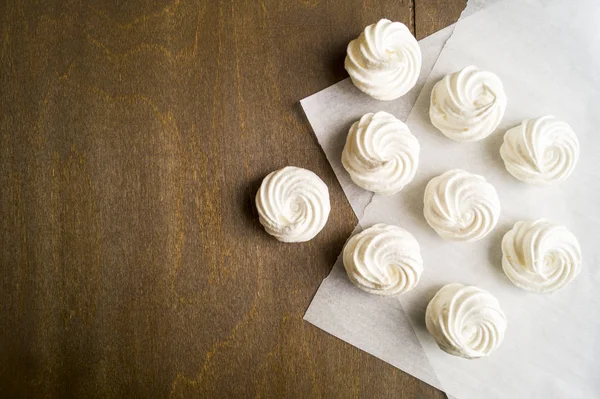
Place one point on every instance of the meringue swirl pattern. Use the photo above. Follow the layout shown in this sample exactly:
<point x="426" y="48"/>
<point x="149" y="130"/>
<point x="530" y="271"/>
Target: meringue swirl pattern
<point x="540" y="151"/>
<point x="540" y="256"/>
<point x="467" y="105"/>
<point x="383" y="260"/>
<point x="293" y="204"/>
<point x="461" y="206"/>
<point x="381" y="154"/>
<point x="384" y="61"/>
<point x="465" y="321"/>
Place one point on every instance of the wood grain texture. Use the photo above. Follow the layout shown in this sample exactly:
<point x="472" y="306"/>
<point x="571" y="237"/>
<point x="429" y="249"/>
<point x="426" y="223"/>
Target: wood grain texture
<point x="134" y="135"/>
<point x="433" y="15"/>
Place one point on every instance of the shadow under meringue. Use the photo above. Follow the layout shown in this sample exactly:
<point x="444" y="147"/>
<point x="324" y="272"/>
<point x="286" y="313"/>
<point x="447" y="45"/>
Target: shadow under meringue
<point x="248" y="204"/>
<point x="417" y="313"/>
<point x="492" y="146"/>
<point x="495" y="249"/>
<point x="414" y="195"/>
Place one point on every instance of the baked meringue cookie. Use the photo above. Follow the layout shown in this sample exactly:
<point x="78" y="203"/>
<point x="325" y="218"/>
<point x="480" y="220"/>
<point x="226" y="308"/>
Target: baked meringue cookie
<point x="467" y="105"/>
<point x="293" y="204"/>
<point x="383" y="260"/>
<point x="384" y="61"/>
<point x="465" y="321"/>
<point x="381" y="154"/>
<point x="540" y="256"/>
<point x="540" y="151"/>
<point x="461" y="206"/>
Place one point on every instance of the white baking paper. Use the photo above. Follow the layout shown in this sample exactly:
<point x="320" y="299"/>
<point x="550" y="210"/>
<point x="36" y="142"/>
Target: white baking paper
<point x="337" y="307"/>
<point x="546" y="53"/>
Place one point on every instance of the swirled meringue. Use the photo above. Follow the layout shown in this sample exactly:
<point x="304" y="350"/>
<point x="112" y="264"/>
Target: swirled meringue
<point x="384" y="61"/>
<point x="467" y="105"/>
<point x="293" y="204"/>
<point x="465" y="321"/>
<point x="540" y="256"/>
<point x="383" y="260"/>
<point x="461" y="206"/>
<point x="381" y="154"/>
<point x="540" y="151"/>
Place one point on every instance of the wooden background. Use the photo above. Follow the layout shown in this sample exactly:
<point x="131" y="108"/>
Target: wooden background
<point x="134" y="135"/>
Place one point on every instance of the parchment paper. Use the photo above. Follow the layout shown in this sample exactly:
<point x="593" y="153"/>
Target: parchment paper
<point x="546" y="53"/>
<point x="338" y="307"/>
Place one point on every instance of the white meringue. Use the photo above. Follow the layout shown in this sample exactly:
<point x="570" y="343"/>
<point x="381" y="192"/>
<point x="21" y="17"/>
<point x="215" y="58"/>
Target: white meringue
<point x="467" y="105"/>
<point x="383" y="260"/>
<point x="465" y="321"/>
<point x="461" y="206"/>
<point x="381" y="154"/>
<point x="384" y="61"/>
<point x="293" y="204"/>
<point x="540" y="256"/>
<point x="540" y="151"/>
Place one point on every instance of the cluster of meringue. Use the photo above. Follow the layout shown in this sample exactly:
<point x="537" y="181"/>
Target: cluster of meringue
<point x="384" y="61"/>
<point x="382" y="155"/>
<point x="465" y="321"/>
<point x="293" y="204"/>
<point x="467" y="105"/>
<point x="384" y="260"/>
<point x="461" y="206"/>
<point x="540" y="256"/>
<point x="540" y="151"/>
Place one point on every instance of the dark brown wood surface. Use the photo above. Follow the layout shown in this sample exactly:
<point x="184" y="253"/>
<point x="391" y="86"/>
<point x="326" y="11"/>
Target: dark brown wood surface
<point x="134" y="135"/>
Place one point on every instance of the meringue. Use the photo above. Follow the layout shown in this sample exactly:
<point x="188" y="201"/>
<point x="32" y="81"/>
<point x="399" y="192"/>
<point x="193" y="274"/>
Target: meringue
<point x="540" y="151"/>
<point x="293" y="204"/>
<point x="465" y="321"/>
<point x="381" y="154"/>
<point x="461" y="206"/>
<point x="540" y="256"/>
<point x="383" y="260"/>
<point x="467" y="105"/>
<point x="384" y="61"/>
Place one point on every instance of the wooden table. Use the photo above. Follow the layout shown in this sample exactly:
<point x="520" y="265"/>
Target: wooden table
<point x="134" y="135"/>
